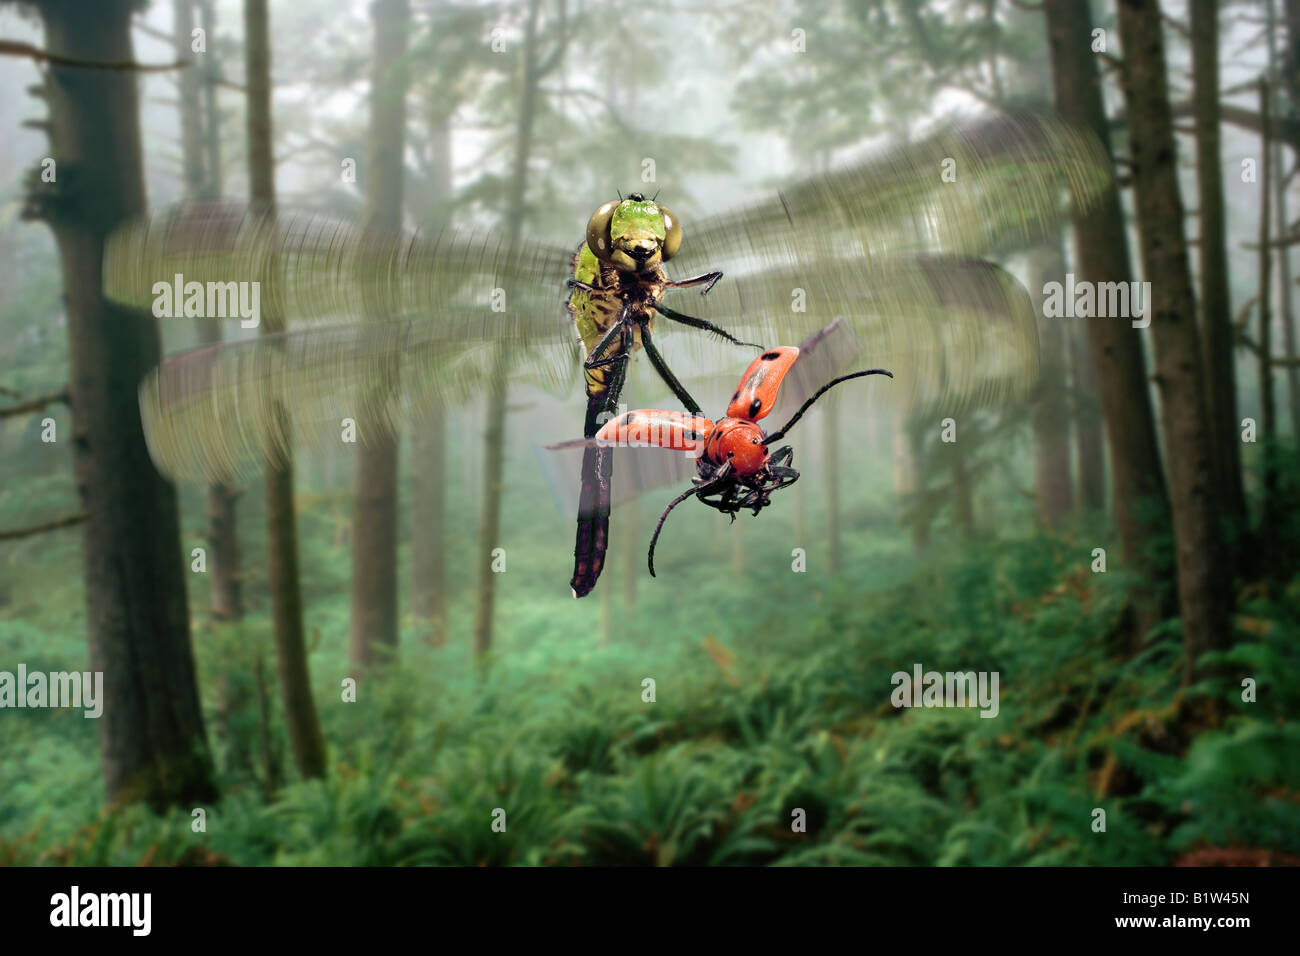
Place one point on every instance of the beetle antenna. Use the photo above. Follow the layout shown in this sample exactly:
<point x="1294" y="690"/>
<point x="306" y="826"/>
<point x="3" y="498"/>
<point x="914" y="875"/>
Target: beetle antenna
<point x="778" y="435"/>
<point x="720" y="477"/>
<point x="650" y="558"/>
<point x="656" y="195"/>
<point x="619" y="193"/>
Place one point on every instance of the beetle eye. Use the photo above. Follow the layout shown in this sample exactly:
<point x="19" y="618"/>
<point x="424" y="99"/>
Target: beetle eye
<point x="598" y="231"/>
<point x="672" y="233"/>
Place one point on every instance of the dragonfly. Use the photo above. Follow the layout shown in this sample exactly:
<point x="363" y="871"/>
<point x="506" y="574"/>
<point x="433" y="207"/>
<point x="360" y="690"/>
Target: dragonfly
<point x="387" y="324"/>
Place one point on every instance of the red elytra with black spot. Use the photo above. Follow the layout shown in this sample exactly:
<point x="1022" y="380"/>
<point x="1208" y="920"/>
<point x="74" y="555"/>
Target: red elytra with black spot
<point x="735" y="437"/>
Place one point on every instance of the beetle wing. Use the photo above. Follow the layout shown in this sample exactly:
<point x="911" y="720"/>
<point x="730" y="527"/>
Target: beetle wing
<point x="680" y="431"/>
<point x="761" y="382"/>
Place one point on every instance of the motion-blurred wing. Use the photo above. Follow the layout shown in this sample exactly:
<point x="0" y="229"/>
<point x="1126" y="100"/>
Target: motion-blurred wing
<point x="635" y="471"/>
<point x="889" y="242"/>
<point x="954" y="331"/>
<point x="416" y="316"/>
<point x="223" y="411"/>
<point x="960" y="191"/>
<point x="469" y="286"/>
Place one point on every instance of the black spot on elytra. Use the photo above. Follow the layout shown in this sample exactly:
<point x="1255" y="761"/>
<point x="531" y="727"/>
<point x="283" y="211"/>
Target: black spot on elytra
<point x="736" y="395"/>
<point x="769" y="356"/>
<point x="754" y="406"/>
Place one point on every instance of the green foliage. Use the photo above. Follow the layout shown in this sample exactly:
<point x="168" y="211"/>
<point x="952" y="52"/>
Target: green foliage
<point x="753" y="729"/>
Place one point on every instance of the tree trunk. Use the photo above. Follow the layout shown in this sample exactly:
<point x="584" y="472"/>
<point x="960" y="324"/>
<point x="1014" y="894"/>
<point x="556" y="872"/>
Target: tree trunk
<point x="830" y="461"/>
<point x="152" y="741"/>
<point x="494" y="441"/>
<point x="1089" y="442"/>
<point x="1052" y="484"/>
<point x="281" y="521"/>
<point x="963" y="490"/>
<point x="429" y="449"/>
<point x="1204" y="584"/>
<point x="630" y="519"/>
<point x="222" y="531"/>
<point x="1268" y="519"/>
<point x="373" y="627"/>
<point x="1289" y="89"/>
<point x="1216" y="309"/>
<point x="1137" y="487"/>
<point x="211" y="72"/>
<point x="428" y="526"/>
<point x="495" y="434"/>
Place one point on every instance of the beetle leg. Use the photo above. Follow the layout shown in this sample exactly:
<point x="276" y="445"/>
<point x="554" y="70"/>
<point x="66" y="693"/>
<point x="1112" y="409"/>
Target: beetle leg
<point x="708" y="280"/>
<point x="785" y="477"/>
<point x="693" y="322"/>
<point x="782" y="456"/>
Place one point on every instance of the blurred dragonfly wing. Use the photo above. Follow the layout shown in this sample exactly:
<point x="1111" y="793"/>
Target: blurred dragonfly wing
<point x="469" y="285"/>
<point x="891" y="243"/>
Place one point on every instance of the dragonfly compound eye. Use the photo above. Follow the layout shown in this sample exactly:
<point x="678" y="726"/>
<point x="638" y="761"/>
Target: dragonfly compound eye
<point x="598" y="240"/>
<point x="672" y="233"/>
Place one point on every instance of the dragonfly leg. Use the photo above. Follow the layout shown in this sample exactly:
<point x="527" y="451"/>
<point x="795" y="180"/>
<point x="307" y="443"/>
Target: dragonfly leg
<point x="708" y="280"/>
<point x="704" y="324"/>
<point x="606" y="368"/>
<point x="588" y="288"/>
<point x="666" y="374"/>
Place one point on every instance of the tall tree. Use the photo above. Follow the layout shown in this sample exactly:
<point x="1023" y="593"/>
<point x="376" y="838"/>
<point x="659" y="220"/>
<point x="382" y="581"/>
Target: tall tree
<point x="152" y="741"/>
<point x="281" y="520"/>
<point x="1052" y="484"/>
<point x="429" y="447"/>
<point x="1204" y="582"/>
<point x="830" y="461"/>
<point x="1089" y="439"/>
<point x="373" y="627"/>
<point x="1101" y="246"/>
<point x="1288" y="87"/>
<point x="534" y="69"/>
<point x="1216" y="319"/>
<point x="1268" y="519"/>
<point x="222" y="535"/>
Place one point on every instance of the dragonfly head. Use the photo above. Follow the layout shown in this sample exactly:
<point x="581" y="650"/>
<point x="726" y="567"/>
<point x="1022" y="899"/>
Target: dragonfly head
<point x="634" y="234"/>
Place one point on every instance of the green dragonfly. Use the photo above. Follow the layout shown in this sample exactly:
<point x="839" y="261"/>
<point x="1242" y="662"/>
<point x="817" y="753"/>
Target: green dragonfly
<point x="385" y="325"/>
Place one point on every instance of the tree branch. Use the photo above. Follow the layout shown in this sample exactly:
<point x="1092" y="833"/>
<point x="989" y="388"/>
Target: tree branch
<point x="17" y="48"/>
<point x="1242" y="317"/>
<point x="42" y="528"/>
<point x="34" y="405"/>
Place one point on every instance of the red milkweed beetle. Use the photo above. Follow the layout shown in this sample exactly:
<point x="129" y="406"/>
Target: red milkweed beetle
<point x="736" y="471"/>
